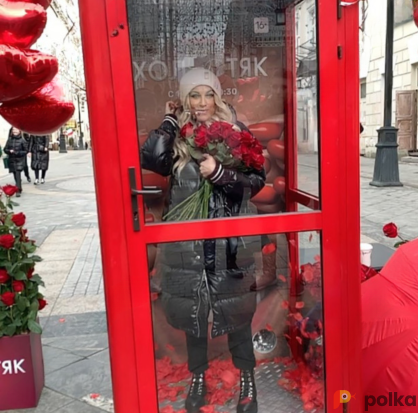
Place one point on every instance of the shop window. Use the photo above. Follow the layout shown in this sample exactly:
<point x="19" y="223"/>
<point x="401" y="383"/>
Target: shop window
<point x="363" y="90"/>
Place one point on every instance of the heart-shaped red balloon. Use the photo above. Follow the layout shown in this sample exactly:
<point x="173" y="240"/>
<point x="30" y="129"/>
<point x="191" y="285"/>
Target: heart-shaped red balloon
<point x="39" y="114"/>
<point x="44" y="3"/>
<point x="22" y="72"/>
<point x="21" y="24"/>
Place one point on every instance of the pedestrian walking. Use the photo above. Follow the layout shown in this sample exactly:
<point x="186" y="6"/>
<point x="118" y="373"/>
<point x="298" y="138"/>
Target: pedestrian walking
<point x="17" y="149"/>
<point x="26" y="168"/>
<point x="39" y="149"/>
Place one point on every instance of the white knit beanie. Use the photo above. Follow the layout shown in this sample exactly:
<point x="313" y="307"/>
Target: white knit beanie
<point x="199" y="76"/>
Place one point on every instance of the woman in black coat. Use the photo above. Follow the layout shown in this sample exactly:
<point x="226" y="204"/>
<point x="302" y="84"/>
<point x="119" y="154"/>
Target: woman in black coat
<point x="17" y="149"/>
<point x="200" y="277"/>
<point x="26" y="168"/>
<point x="39" y="148"/>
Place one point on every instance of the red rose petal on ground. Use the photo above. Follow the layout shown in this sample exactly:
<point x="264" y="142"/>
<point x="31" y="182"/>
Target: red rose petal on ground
<point x="308" y="275"/>
<point x="154" y="296"/>
<point x="269" y="249"/>
<point x="169" y="347"/>
<point x="228" y="378"/>
<point x="317" y="258"/>
<point x="208" y="409"/>
<point x="285" y="304"/>
<point x="298" y="316"/>
<point x="269" y="327"/>
<point x="168" y="409"/>
<point x="300" y="304"/>
<point x="282" y="278"/>
<point x="309" y="406"/>
<point x="62" y="320"/>
<point x="94" y="396"/>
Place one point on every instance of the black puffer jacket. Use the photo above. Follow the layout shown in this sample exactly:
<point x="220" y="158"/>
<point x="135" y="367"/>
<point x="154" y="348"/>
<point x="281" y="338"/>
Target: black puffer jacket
<point x="212" y="274"/>
<point x="17" y="158"/>
<point x="39" y="147"/>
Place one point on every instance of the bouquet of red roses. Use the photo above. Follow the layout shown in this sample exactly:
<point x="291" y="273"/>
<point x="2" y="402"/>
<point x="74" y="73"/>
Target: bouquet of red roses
<point x="231" y="147"/>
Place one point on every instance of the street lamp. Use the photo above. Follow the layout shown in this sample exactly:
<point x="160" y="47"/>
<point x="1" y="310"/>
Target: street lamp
<point x="386" y="166"/>
<point x="63" y="145"/>
<point x="80" y="132"/>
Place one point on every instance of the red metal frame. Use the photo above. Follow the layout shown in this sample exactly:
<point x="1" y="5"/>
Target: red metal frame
<point x="110" y="93"/>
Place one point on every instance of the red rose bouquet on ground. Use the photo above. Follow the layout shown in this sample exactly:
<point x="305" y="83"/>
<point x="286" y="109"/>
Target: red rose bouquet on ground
<point x="20" y="299"/>
<point x="231" y="147"/>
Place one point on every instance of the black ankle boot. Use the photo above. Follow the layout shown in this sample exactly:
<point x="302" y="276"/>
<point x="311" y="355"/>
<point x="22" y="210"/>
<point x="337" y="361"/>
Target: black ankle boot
<point x="197" y="392"/>
<point x="247" y="402"/>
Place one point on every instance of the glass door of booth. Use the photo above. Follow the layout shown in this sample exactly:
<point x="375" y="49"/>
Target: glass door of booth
<point x="238" y="285"/>
<point x="231" y="301"/>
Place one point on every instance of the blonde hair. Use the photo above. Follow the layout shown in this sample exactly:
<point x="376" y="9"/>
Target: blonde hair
<point x="181" y="152"/>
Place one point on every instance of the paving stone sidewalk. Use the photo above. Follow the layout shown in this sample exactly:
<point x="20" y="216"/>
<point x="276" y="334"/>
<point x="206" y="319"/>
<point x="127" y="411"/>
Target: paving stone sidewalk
<point x="62" y="218"/>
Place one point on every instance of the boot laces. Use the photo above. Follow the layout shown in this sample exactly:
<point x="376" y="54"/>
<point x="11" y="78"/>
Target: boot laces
<point x="197" y="384"/>
<point x="247" y="385"/>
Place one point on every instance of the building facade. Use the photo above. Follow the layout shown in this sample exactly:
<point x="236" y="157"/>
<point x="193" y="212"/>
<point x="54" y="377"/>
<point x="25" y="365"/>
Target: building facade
<point x="372" y="70"/>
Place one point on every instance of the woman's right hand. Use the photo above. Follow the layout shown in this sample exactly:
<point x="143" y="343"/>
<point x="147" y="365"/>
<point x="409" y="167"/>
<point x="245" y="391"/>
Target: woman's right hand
<point x="171" y="107"/>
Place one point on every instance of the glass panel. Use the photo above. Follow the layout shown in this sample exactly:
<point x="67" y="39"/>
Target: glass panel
<point x="202" y="62"/>
<point x="225" y="306"/>
<point x="307" y="97"/>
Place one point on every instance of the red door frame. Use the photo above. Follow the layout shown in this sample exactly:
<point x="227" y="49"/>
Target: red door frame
<point x="106" y="46"/>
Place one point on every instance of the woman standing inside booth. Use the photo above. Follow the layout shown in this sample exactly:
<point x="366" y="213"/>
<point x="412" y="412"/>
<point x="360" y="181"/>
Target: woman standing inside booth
<point x="211" y="276"/>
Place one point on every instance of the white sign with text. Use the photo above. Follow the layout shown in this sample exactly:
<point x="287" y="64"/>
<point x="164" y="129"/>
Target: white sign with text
<point x="261" y="24"/>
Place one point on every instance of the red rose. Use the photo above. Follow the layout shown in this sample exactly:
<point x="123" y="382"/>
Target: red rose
<point x="4" y="277"/>
<point x="29" y="275"/>
<point x="220" y="130"/>
<point x="201" y="138"/>
<point x="8" y="298"/>
<point x="187" y="130"/>
<point x="390" y="230"/>
<point x="10" y="190"/>
<point x="234" y="140"/>
<point x="246" y="138"/>
<point x="237" y="153"/>
<point x="42" y="303"/>
<point x="215" y="131"/>
<point x="7" y="241"/>
<point x="18" y="286"/>
<point x="258" y="162"/>
<point x="19" y="219"/>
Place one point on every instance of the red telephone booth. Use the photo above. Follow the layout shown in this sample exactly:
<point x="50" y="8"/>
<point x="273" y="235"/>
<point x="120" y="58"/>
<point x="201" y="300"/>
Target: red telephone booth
<point x="288" y="71"/>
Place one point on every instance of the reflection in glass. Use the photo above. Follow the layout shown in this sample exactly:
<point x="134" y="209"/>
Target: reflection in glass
<point x="240" y="43"/>
<point x="216" y="321"/>
<point x="307" y="97"/>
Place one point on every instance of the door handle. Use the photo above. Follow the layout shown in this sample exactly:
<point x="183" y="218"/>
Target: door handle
<point x="146" y="191"/>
